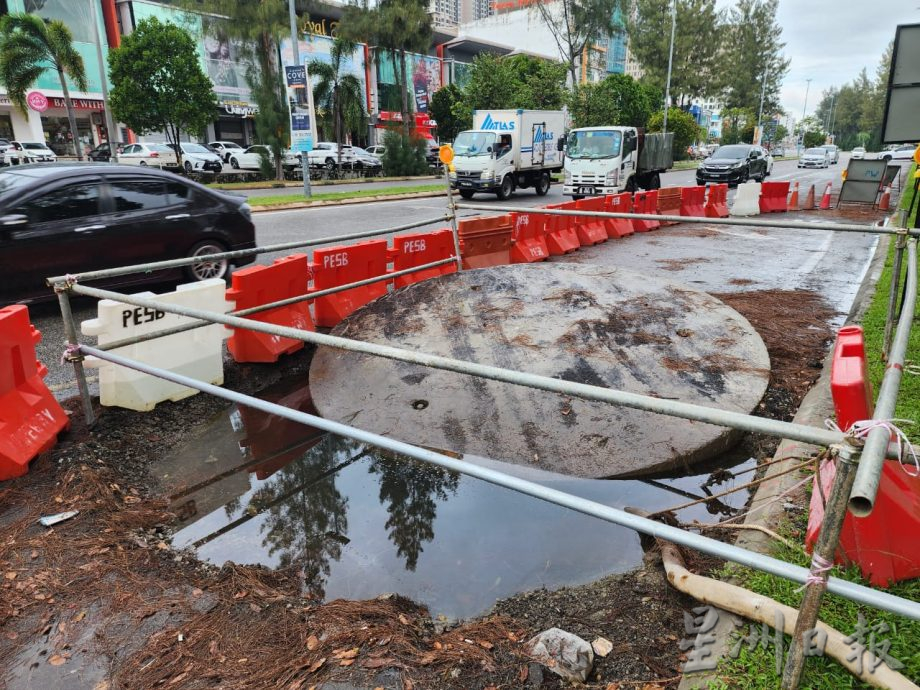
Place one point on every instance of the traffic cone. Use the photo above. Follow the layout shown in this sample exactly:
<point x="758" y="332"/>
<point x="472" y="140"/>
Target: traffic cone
<point x="885" y="200"/>
<point x="794" y="199"/>
<point x="810" y="199"/>
<point x="826" y="199"/>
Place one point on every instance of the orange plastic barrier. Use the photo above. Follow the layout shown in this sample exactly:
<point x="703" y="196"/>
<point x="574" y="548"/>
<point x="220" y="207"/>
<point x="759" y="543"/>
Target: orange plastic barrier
<point x="561" y="237"/>
<point x="288" y="276"/>
<point x="692" y="201"/>
<point x="340" y="265"/>
<point x="528" y="239"/>
<point x="645" y="202"/>
<point x="485" y="241"/>
<point x="669" y="203"/>
<point x="30" y="417"/>
<point x="619" y="203"/>
<point x="773" y="197"/>
<point x="717" y="201"/>
<point x="590" y="230"/>
<point x="420" y="248"/>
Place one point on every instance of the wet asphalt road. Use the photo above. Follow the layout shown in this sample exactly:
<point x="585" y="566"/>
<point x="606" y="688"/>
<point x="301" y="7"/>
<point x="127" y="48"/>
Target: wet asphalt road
<point x="795" y="259"/>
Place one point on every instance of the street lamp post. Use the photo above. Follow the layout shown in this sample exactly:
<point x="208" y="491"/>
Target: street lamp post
<point x="304" y="157"/>
<point x="667" y="88"/>
<point x="763" y="91"/>
<point x="807" y="86"/>
<point x="109" y="122"/>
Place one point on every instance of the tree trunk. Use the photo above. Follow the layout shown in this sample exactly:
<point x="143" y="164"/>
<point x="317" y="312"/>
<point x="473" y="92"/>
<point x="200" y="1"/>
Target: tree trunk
<point x="75" y="135"/>
<point x="404" y="90"/>
<point x="175" y="136"/>
<point x="337" y="114"/>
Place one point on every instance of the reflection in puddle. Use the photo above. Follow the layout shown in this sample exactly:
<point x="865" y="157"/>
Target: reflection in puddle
<point x="354" y="521"/>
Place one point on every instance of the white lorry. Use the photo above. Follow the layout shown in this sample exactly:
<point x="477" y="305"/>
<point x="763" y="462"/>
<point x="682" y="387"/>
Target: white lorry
<point x="610" y="160"/>
<point x="507" y="150"/>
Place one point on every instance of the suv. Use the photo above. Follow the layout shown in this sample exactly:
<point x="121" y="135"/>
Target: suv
<point x="904" y="152"/>
<point x="734" y="164"/>
<point x="833" y="153"/>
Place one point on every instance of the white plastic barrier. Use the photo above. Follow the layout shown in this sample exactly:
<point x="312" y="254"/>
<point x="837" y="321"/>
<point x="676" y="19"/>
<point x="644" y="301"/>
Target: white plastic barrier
<point x="747" y="200"/>
<point x="197" y="353"/>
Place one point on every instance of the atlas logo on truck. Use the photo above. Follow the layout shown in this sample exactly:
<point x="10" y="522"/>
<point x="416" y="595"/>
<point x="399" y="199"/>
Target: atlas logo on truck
<point x="490" y="124"/>
<point x="540" y="136"/>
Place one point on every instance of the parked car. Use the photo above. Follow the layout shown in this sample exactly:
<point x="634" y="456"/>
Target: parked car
<point x="74" y="217"/>
<point x="904" y="152"/>
<point x="251" y="158"/>
<point x="431" y="152"/>
<point x="733" y="164"/>
<point x="364" y="160"/>
<point x="103" y="153"/>
<point x="225" y="149"/>
<point x="5" y="145"/>
<point x="814" y="158"/>
<point x="376" y="150"/>
<point x="778" y="152"/>
<point x="326" y="154"/>
<point x="197" y="158"/>
<point x="149" y="155"/>
<point x="859" y="153"/>
<point x="833" y="153"/>
<point x="24" y="152"/>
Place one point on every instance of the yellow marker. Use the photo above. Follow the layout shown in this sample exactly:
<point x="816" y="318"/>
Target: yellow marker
<point x="843" y="174"/>
<point x="446" y="154"/>
<point x="917" y="156"/>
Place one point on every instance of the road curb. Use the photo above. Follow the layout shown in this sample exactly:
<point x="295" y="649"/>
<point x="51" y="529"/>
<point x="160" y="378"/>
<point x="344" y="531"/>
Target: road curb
<point x="347" y="202"/>
<point x="290" y="184"/>
<point x="816" y="406"/>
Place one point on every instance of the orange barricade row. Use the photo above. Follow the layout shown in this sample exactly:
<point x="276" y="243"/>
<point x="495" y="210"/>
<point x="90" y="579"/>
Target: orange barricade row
<point x="257" y="285"/>
<point x="773" y="197"/>
<point x="485" y="242"/>
<point x="420" y="248"/>
<point x="30" y="417"/>
<point x="528" y="241"/>
<point x="619" y="203"/>
<point x="340" y="265"/>
<point x="645" y="202"/>
<point x="590" y="230"/>
<point x="717" y="201"/>
<point x="669" y="203"/>
<point x="692" y="201"/>
<point x="561" y="237"/>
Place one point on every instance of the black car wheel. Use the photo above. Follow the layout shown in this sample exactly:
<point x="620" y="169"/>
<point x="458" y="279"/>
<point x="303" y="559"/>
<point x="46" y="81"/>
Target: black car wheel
<point x="330" y="164"/>
<point x="188" y="168"/>
<point x="234" y="163"/>
<point x="207" y="269"/>
<point x="654" y="182"/>
<point x="143" y="164"/>
<point x="467" y="193"/>
<point x="631" y="185"/>
<point x="506" y="189"/>
<point x="542" y="186"/>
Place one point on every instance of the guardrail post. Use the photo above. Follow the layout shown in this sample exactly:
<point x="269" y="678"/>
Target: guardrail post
<point x="73" y="355"/>
<point x="452" y="209"/>
<point x="899" y="248"/>
<point x="821" y="563"/>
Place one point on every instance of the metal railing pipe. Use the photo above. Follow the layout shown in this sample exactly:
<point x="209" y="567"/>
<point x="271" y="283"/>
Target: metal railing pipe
<point x="673" y="408"/>
<point x="862" y="498"/>
<point x="188" y="261"/>
<point x="125" y="342"/>
<point x="735" y="221"/>
<point x="858" y="593"/>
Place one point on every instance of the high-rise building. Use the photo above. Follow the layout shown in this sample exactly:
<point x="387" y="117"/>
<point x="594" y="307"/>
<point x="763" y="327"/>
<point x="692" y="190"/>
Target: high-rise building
<point x="449" y="13"/>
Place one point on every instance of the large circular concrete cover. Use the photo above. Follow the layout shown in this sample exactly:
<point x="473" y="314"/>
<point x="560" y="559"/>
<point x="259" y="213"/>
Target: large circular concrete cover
<point x="597" y="325"/>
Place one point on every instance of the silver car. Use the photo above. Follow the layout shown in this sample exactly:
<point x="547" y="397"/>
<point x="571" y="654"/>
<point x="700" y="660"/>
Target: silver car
<point x="814" y="158"/>
<point x="833" y="153"/>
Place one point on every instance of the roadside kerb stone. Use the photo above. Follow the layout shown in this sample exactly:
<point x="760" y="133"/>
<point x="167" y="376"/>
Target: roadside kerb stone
<point x="344" y="202"/>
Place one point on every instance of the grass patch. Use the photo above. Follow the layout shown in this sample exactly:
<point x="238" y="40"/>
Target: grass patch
<point x="275" y="184"/>
<point x="339" y="196"/>
<point x="909" y="195"/>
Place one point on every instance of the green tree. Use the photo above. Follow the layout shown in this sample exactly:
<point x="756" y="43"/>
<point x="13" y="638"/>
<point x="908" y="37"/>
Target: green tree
<point x="684" y="126"/>
<point x="754" y="56"/>
<point x="448" y="108"/>
<point x="403" y="154"/>
<point x="813" y="137"/>
<point x="28" y="46"/>
<point x="338" y="96"/>
<point x="736" y="124"/>
<point x="519" y="81"/>
<point x="617" y="100"/>
<point x="158" y="84"/>
<point x="698" y="66"/>
<point x="578" y="24"/>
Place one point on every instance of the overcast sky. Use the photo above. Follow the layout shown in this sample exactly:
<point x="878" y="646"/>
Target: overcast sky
<point x="829" y="41"/>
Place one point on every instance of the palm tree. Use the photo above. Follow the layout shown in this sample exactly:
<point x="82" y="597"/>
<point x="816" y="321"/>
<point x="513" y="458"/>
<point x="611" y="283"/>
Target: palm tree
<point x="28" y="46"/>
<point x="338" y="96"/>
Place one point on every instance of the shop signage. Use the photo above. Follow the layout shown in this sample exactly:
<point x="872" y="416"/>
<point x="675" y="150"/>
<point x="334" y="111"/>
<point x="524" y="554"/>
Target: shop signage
<point x="303" y="114"/>
<point x="296" y="76"/>
<point x="421" y="119"/>
<point x="37" y="101"/>
<point x="78" y="103"/>
<point x="322" y="27"/>
<point x="239" y="108"/>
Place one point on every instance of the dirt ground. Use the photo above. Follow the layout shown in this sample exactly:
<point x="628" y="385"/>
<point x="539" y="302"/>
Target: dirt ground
<point x="101" y="601"/>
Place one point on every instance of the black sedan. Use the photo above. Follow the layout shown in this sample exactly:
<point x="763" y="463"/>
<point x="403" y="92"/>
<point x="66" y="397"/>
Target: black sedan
<point x="103" y="154"/>
<point x="73" y="217"/>
<point x="734" y="164"/>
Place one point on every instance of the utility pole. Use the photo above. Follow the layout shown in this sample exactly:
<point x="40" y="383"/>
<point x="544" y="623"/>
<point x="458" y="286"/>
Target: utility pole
<point x="304" y="155"/>
<point x="763" y="91"/>
<point x="667" y="88"/>
<point x="109" y="123"/>
<point x="833" y="120"/>
<point x="807" y="86"/>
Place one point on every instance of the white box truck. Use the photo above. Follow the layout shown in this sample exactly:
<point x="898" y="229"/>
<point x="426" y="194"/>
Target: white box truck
<point x="508" y="150"/>
<point x="610" y="160"/>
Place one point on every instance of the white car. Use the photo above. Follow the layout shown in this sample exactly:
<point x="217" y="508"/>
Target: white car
<point x="325" y="154"/>
<point x="200" y="159"/>
<point x="225" y="149"/>
<point x="152" y="155"/>
<point x="23" y="152"/>
<point x="859" y="153"/>
<point x="376" y="150"/>
<point x="904" y="152"/>
<point x="251" y="158"/>
<point x="833" y="153"/>
<point x="814" y="158"/>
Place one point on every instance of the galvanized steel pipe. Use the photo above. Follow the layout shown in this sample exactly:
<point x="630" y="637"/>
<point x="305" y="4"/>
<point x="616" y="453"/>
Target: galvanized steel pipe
<point x="854" y="592"/>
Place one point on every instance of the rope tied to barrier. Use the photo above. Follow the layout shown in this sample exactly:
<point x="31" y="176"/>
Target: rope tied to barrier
<point x="71" y="353"/>
<point x="860" y="430"/>
<point x="818" y="572"/>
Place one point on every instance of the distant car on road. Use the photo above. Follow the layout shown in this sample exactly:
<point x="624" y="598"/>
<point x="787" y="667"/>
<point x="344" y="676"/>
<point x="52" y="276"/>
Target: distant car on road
<point x="833" y="153"/>
<point x="734" y="164"/>
<point x="814" y="158"/>
<point x="778" y="152"/>
<point x="225" y="149"/>
<point x="858" y="153"/>
<point x="75" y="217"/>
<point x="904" y="152"/>
<point x="149" y="155"/>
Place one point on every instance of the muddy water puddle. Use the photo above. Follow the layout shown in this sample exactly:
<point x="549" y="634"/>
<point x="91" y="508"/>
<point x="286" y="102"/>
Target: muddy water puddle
<point x="355" y="522"/>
